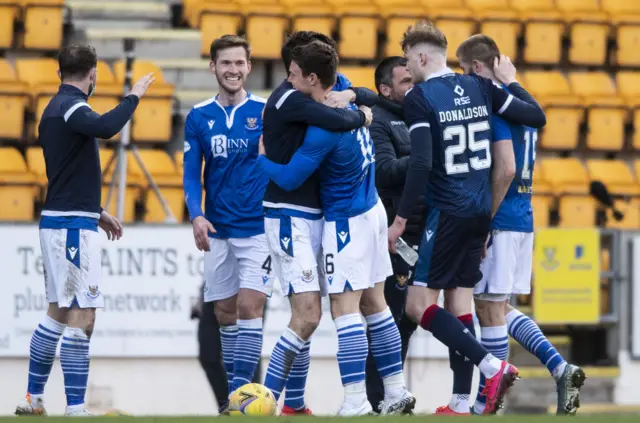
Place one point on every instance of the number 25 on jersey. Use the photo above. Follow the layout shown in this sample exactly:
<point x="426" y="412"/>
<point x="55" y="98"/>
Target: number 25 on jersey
<point x="467" y="139"/>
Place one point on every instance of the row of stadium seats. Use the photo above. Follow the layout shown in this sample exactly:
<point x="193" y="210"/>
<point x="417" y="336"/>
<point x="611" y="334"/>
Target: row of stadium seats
<point x="31" y="24"/>
<point x="30" y="85"/>
<point x="561" y="185"/>
<point x="544" y="25"/>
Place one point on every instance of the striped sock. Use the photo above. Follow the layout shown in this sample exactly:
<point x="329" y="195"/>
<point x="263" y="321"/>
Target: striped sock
<point x="228" y="337"/>
<point x="352" y="356"/>
<point x="294" y="390"/>
<point x="528" y="334"/>
<point x="496" y="340"/>
<point x="42" y="353"/>
<point x="247" y="352"/>
<point x="282" y="358"/>
<point x="386" y="348"/>
<point x="74" y="357"/>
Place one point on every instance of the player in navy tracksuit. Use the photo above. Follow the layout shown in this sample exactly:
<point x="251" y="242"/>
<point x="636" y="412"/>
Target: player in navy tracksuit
<point x="293" y="220"/>
<point x="506" y="269"/>
<point x="353" y="240"/>
<point x="449" y="119"/>
<point x="69" y="224"/>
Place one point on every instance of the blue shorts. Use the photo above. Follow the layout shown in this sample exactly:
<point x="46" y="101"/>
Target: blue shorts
<point x="451" y="251"/>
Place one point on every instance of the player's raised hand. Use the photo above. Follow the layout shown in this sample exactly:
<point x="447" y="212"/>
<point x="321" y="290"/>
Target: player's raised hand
<point x="368" y="115"/>
<point x="141" y="86"/>
<point x="504" y="70"/>
<point x="340" y="99"/>
<point x="201" y="229"/>
<point x="111" y="225"/>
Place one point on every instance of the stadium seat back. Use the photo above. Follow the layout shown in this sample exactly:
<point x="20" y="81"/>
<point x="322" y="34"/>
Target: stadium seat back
<point x="636" y="134"/>
<point x="12" y="116"/>
<point x="360" y="76"/>
<point x="152" y="121"/>
<point x="505" y="34"/>
<point x="7" y="73"/>
<point x="444" y="4"/>
<point x="140" y="69"/>
<point x="573" y="6"/>
<point x="43" y="28"/>
<point x="591" y="85"/>
<point x="620" y="7"/>
<point x="37" y="71"/>
<point x="482" y="5"/>
<point x="16" y="203"/>
<point x="566" y="175"/>
<point x="8" y="13"/>
<point x="628" y="84"/>
<point x="562" y="129"/>
<point x="577" y="211"/>
<point x="315" y="17"/>
<point x="130" y="195"/>
<point x="153" y="208"/>
<point x="216" y="19"/>
<point x="631" y="215"/>
<point x="11" y="161"/>
<point x="588" y="43"/>
<point x="396" y="26"/>
<point x="544" y="42"/>
<point x="541" y="206"/>
<point x="532" y="5"/>
<point x="456" y="31"/>
<point x="266" y="35"/>
<point x="358" y="36"/>
<point x="157" y="162"/>
<point x="615" y="174"/>
<point x="547" y="83"/>
<point x="628" y="43"/>
<point x="606" y="129"/>
<point x="36" y="164"/>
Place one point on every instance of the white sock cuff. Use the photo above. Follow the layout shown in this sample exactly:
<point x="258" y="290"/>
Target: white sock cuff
<point x="293" y="338"/>
<point x="250" y="323"/>
<point x="378" y="317"/>
<point x="229" y="329"/>
<point x="494" y="332"/>
<point x="53" y="325"/>
<point x="74" y="333"/>
<point x="511" y="316"/>
<point x="347" y="320"/>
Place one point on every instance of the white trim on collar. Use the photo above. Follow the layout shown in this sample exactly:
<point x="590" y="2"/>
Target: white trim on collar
<point x="441" y="72"/>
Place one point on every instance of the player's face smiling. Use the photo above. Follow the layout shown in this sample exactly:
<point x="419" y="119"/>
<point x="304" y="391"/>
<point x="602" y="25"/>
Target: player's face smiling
<point x="231" y="69"/>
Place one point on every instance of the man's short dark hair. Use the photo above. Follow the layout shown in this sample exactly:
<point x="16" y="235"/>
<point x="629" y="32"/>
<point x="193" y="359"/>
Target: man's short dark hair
<point x="478" y="47"/>
<point x="229" y="41"/>
<point x="319" y="58"/>
<point x="423" y="32"/>
<point x="76" y="61"/>
<point x="384" y="71"/>
<point x="302" y="38"/>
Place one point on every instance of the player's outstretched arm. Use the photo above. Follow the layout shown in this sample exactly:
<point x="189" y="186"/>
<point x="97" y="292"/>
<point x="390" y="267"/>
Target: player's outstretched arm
<point x="503" y="168"/>
<point x="417" y="118"/>
<point x="306" y="160"/>
<point x="297" y="107"/>
<point x="390" y="170"/>
<point x="519" y="106"/>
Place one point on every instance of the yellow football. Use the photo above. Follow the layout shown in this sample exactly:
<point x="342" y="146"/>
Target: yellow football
<point x="252" y="399"/>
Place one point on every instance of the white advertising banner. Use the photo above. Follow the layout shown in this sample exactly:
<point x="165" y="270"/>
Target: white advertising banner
<point x="150" y="279"/>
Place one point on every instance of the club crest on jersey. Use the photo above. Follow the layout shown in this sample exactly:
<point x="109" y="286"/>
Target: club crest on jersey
<point x="252" y="123"/>
<point x="93" y="292"/>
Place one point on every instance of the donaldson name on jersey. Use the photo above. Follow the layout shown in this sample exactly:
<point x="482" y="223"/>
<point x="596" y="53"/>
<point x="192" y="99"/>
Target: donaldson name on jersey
<point x="228" y="139"/>
<point x="515" y="213"/>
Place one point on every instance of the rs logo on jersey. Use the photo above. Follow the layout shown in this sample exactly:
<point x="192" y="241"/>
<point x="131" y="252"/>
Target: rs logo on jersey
<point x="221" y="146"/>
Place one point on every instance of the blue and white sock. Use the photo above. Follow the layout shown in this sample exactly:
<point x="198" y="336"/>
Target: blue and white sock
<point x="74" y="357"/>
<point x="386" y="348"/>
<point x="297" y="381"/>
<point x="247" y="352"/>
<point x="42" y="353"/>
<point x="228" y="338"/>
<point x="496" y="340"/>
<point x="528" y="334"/>
<point x="352" y="357"/>
<point x="283" y="356"/>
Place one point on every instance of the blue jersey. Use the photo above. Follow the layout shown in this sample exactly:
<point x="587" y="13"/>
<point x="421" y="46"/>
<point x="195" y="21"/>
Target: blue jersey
<point x="346" y="170"/>
<point x="228" y="139"/>
<point x="515" y="213"/>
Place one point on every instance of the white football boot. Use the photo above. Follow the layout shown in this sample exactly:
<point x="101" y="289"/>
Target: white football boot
<point x="352" y="410"/>
<point x="31" y="406"/>
<point x="77" y="411"/>
<point x="402" y="404"/>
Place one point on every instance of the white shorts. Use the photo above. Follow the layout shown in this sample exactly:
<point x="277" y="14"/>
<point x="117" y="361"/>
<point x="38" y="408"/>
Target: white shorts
<point x="72" y="267"/>
<point x="236" y="263"/>
<point x="507" y="268"/>
<point x="295" y="246"/>
<point x="356" y="253"/>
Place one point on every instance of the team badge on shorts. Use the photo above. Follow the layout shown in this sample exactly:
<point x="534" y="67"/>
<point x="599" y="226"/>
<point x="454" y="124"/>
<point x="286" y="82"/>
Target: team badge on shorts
<point x="252" y="123"/>
<point x="93" y="292"/>
<point x="307" y="275"/>
<point x="401" y="281"/>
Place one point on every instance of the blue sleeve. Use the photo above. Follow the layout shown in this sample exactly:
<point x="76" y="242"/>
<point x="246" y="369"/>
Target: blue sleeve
<point x="297" y="107"/>
<point x="80" y="118"/>
<point x="500" y="129"/>
<point x="192" y="175"/>
<point x="364" y="96"/>
<point x="315" y="147"/>
<point x="416" y="113"/>
<point x="342" y="83"/>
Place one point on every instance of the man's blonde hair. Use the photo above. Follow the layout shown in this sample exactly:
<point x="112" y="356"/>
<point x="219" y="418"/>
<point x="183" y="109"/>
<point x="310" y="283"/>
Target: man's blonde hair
<point x="423" y="32"/>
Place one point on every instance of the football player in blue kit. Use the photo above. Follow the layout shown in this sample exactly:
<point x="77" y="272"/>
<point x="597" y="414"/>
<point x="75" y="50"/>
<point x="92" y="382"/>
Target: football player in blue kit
<point x="506" y="269"/>
<point x="225" y="132"/>
<point x="449" y="119"/>
<point x="353" y="240"/>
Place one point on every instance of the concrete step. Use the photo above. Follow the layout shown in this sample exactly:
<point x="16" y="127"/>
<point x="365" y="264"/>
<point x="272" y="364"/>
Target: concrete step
<point x="536" y="392"/>
<point x="118" y="14"/>
<point x="150" y="43"/>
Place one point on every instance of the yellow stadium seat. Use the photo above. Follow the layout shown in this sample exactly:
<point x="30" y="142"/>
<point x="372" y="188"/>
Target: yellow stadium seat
<point x="398" y="15"/>
<point x="635" y="141"/>
<point x="153" y="117"/>
<point x="215" y="19"/>
<point x="566" y="176"/>
<point x="620" y="7"/>
<point x="357" y="29"/>
<point x="13" y="100"/>
<point x="311" y="16"/>
<point x="43" y="20"/>
<point x="541" y="186"/>
<point x="132" y="189"/>
<point x="532" y="6"/>
<point x="563" y="127"/>
<point x="457" y="28"/>
<point x="360" y="76"/>
<point x="615" y="174"/>
<point x="541" y="205"/>
<point x="16" y="187"/>
<point x="550" y="87"/>
<point x="625" y="15"/>
<point x="543" y="35"/>
<point x="628" y="87"/>
<point x="499" y="22"/>
<point x="577" y="211"/>
<point x="630" y="209"/>
<point x="265" y="24"/>
<point x="605" y="128"/>
<point x="595" y="88"/>
<point x="588" y="31"/>
<point x="36" y="164"/>
<point x="8" y="12"/>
